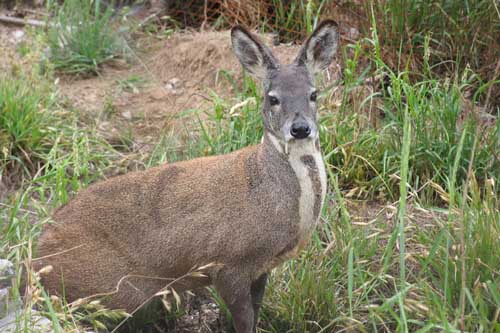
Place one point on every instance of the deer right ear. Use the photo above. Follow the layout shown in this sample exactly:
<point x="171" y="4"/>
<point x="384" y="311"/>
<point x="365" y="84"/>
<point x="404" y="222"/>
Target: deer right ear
<point x="319" y="49"/>
<point x="255" y="57"/>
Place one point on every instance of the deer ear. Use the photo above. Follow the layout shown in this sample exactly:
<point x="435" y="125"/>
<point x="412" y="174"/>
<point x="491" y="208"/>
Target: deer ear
<point x="318" y="50"/>
<point x="255" y="57"/>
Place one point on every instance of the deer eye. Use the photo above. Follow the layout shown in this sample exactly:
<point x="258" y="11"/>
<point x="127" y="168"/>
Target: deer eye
<point x="273" y="100"/>
<point x="314" y="96"/>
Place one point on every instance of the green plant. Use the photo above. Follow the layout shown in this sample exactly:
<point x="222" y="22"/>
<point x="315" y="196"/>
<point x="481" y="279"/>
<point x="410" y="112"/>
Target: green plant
<point x="293" y="20"/>
<point x="419" y="143"/>
<point x="83" y="37"/>
<point x="231" y="125"/>
<point x="25" y="122"/>
<point x="448" y="36"/>
<point x="366" y="153"/>
<point x="131" y="83"/>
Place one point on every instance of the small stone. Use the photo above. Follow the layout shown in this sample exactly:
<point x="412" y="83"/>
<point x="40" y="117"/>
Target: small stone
<point x="175" y="83"/>
<point x="127" y="115"/>
<point x="18" y="35"/>
<point x="353" y="33"/>
<point x="119" y="64"/>
<point x="174" y="86"/>
<point x="36" y="322"/>
<point x="7" y="272"/>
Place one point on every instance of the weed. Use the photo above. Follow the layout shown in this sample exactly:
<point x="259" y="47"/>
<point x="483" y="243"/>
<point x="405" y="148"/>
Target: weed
<point x="293" y="20"/>
<point x="131" y="84"/>
<point x="447" y="36"/>
<point x="24" y="123"/>
<point x="231" y="125"/>
<point x="82" y="37"/>
<point x="368" y="153"/>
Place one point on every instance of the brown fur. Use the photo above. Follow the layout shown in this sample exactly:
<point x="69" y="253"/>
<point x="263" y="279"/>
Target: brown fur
<point x="164" y="221"/>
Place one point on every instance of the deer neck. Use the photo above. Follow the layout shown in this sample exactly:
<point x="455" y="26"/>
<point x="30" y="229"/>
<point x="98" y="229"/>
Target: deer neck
<point x="306" y="163"/>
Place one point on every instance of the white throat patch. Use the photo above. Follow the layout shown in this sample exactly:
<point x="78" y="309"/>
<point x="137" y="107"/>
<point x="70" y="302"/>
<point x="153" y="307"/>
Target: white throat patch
<point x="300" y="150"/>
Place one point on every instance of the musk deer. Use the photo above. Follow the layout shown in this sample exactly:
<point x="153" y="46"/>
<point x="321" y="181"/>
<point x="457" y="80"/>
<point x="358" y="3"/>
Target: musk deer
<point x="247" y="211"/>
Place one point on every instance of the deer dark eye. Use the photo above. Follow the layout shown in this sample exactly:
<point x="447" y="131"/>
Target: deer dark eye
<point x="314" y="96"/>
<point x="273" y="100"/>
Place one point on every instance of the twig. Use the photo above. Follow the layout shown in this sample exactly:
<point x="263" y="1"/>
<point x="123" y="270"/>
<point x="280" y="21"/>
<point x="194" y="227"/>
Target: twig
<point x="36" y="12"/>
<point x="205" y="16"/>
<point x="149" y="18"/>
<point x="191" y="273"/>
<point x="20" y="209"/>
<point x="81" y="301"/>
<point x="58" y="253"/>
<point x="22" y="22"/>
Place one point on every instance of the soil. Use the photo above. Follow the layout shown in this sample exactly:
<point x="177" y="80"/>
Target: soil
<point x="146" y="95"/>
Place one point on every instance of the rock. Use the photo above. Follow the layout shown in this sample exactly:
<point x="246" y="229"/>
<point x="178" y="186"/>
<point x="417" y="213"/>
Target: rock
<point x="174" y="86"/>
<point x="127" y="115"/>
<point x="11" y="311"/>
<point x="7" y="272"/>
<point x="174" y="83"/>
<point x="15" y="322"/>
<point x="118" y="64"/>
<point x="4" y="302"/>
<point x="353" y="33"/>
<point x="17" y="36"/>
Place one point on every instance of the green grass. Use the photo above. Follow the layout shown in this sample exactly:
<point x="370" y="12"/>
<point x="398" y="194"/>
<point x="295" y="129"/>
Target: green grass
<point x="366" y="150"/>
<point x="459" y="32"/>
<point x="24" y="123"/>
<point x="233" y="124"/>
<point x="63" y="157"/>
<point x="408" y="237"/>
<point x="83" y="37"/>
<point x="294" y="20"/>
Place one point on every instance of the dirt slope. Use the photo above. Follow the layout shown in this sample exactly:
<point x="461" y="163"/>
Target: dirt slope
<point x="171" y="76"/>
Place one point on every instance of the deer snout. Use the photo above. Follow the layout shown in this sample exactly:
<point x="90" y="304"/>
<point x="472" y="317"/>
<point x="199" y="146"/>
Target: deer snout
<point x="300" y="129"/>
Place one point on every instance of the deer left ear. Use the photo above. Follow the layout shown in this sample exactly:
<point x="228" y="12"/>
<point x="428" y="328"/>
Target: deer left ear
<point x="254" y="55"/>
<point x="318" y="50"/>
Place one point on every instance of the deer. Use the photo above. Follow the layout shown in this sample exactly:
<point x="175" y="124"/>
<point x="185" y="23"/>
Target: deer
<point x="247" y="211"/>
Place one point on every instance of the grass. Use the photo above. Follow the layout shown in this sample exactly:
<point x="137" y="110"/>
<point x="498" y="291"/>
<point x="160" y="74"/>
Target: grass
<point x="448" y="24"/>
<point x="294" y="20"/>
<point x="82" y="37"/>
<point x="366" y="151"/>
<point x="407" y="238"/>
<point x="68" y="157"/>
<point x="24" y="123"/>
<point x="233" y="124"/>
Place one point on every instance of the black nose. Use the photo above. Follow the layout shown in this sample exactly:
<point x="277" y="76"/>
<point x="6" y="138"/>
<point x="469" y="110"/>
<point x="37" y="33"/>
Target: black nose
<point x="300" y="130"/>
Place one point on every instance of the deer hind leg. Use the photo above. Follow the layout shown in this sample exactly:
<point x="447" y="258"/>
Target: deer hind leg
<point x="257" y="291"/>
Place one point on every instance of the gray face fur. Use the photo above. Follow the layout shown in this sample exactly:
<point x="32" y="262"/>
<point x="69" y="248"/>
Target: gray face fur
<point x="289" y="92"/>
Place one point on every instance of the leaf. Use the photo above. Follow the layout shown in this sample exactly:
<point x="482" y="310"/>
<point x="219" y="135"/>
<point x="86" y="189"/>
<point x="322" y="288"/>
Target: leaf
<point x="163" y="292"/>
<point x="177" y="297"/>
